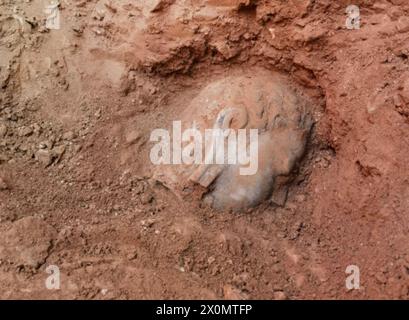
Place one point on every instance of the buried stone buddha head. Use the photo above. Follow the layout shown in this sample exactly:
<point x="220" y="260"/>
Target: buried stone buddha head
<point x="238" y="142"/>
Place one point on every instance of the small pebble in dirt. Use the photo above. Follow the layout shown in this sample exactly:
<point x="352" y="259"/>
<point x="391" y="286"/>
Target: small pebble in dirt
<point x="117" y="207"/>
<point x="69" y="135"/>
<point x="232" y="293"/>
<point x="45" y="144"/>
<point x="25" y="131"/>
<point x="37" y="129"/>
<point x="146" y="198"/>
<point x="300" y="198"/>
<point x="404" y="93"/>
<point x="132" y="136"/>
<point x="97" y="114"/>
<point x="3" y="184"/>
<point x="58" y="152"/>
<point x="279" y="295"/>
<point x="3" y="130"/>
<point x="44" y="157"/>
<point x="147" y="223"/>
<point x="132" y="256"/>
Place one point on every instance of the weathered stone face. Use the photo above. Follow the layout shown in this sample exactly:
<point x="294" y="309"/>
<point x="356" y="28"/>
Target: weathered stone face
<point x="262" y="101"/>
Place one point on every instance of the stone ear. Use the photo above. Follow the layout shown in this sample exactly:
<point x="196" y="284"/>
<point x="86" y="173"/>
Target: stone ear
<point x="232" y="117"/>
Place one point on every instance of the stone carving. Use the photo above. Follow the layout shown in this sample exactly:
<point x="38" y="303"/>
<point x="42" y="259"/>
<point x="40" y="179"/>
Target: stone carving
<point x="262" y="101"/>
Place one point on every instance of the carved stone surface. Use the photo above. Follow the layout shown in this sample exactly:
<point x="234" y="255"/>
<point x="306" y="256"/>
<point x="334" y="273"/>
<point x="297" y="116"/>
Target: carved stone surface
<point x="263" y="101"/>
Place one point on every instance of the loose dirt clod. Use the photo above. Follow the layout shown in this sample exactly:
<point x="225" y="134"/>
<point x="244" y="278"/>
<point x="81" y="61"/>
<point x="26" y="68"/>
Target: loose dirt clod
<point x="3" y="184"/>
<point x="45" y="157"/>
<point x="3" y="130"/>
<point x="27" y="242"/>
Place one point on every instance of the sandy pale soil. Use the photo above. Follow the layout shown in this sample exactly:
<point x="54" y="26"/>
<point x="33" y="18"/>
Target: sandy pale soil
<point x="77" y="189"/>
